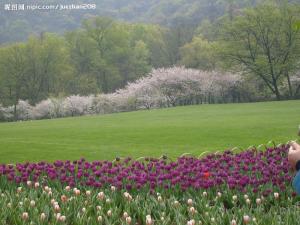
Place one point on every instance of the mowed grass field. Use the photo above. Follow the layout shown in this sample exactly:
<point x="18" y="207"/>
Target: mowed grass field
<point x="171" y="131"/>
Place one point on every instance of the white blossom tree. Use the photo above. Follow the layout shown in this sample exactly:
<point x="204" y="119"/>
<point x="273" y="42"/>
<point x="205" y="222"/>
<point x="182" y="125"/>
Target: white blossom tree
<point x="104" y="103"/>
<point x="8" y="113"/>
<point x="23" y="110"/>
<point x="76" y="105"/>
<point x="163" y="87"/>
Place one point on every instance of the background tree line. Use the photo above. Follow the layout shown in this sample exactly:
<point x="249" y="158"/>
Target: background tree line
<point x="102" y="56"/>
<point x="169" y="13"/>
<point x="259" y="43"/>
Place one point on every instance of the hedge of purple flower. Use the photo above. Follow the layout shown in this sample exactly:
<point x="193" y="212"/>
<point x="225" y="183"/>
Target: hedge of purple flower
<point x="250" y="168"/>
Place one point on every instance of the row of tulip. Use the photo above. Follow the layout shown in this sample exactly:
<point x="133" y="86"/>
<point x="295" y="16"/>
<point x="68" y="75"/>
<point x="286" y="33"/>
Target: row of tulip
<point x="250" y="187"/>
<point x="38" y="204"/>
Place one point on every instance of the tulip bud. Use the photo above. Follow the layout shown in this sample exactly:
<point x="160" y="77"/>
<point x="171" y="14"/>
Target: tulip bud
<point x="128" y="220"/>
<point x="276" y="195"/>
<point x="125" y="215"/>
<point x="191" y="222"/>
<point x="101" y="195"/>
<point x="43" y="216"/>
<point x="149" y="220"/>
<point x="192" y="210"/>
<point x="190" y="202"/>
<point x="109" y="213"/>
<point x="29" y="183"/>
<point x="64" y="198"/>
<point x="159" y="198"/>
<point x="204" y="193"/>
<point x="88" y="193"/>
<point x="32" y="203"/>
<point x="19" y="189"/>
<point x="56" y="208"/>
<point x="99" y="218"/>
<point x="127" y="196"/>
<point x="113" y="188"/>
<point x="25" y="216"/>
<point x="55" y="203"/>
<point x="234" y="198"/>
<point x="58" y="216"/>
<point x="258" y="201"/>
<point x="67" y="188"/>
<point x="62" y="218"/>
<point x="77" y="192"/>
<point x="248" y="201"/>
<point x="246" y="219"/>
<point x="233" y="222"/>
<point x="36" y="184"/>
<point x="83" y="210"/>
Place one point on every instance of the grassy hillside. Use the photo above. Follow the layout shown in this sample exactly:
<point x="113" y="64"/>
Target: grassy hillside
<point x="170" y="131"/>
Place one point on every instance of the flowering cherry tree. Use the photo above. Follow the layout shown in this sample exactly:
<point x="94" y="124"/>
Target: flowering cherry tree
<point x="6" y="113"/>
<point x="43" y="110"/>
<point x="164" y="87"/>
<point x="104" y="103"/>
<point x="76" y="105"/>
<point x="24" y="110"/>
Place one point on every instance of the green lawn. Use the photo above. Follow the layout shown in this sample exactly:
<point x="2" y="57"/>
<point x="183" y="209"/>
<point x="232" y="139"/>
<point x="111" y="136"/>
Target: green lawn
<point x="171" y="131"/>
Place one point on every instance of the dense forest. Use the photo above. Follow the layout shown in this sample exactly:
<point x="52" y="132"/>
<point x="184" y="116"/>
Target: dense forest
<point x="55" y="54"/>
<point x="17" y="26"/>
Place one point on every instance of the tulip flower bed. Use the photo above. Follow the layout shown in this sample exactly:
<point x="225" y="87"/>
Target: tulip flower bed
<point x="251" y="187"/>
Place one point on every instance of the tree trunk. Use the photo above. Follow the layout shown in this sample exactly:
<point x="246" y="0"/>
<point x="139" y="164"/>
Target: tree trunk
<point x="105" y="85"/>
<point x="278" y="97"/>
<point x="297" y="90"/>
<point x="276" y="90"/>
<point x="15" y="111"/>
<point x="290" y="85"/>
<point x="15" y="104"/>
